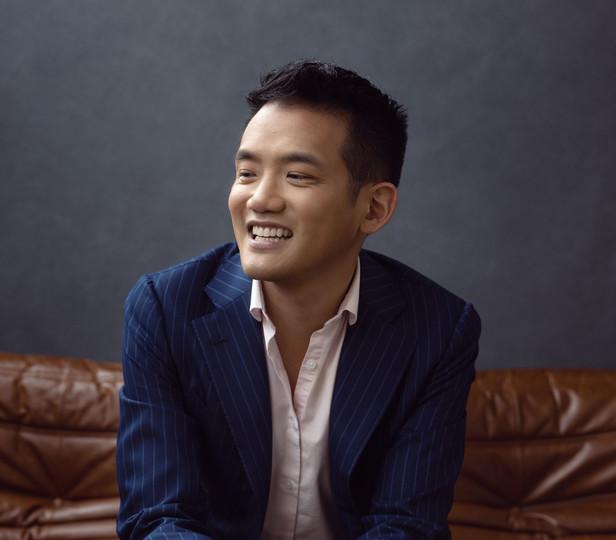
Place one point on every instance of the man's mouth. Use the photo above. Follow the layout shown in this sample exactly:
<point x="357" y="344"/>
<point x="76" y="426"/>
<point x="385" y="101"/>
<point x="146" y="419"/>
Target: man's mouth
<point x="270" y="234"/>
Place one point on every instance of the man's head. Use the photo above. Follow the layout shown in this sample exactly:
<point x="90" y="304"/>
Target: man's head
<point x="312" y="174"/>
<point x="376" y="125"/>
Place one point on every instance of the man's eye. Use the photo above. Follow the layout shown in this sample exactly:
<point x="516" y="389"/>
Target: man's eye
<point x="298" y="177"/>
<point x="245" y="175"/>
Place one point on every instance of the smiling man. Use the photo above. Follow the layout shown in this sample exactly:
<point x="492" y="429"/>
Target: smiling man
<point x="291" y="384"/>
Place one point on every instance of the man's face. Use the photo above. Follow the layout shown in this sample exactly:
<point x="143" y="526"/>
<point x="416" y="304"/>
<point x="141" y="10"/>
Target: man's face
<point x="293" y="216"/>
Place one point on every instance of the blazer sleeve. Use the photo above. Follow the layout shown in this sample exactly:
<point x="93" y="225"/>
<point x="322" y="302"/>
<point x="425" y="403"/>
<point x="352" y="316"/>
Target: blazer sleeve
<point x="158" y="460"/>
<point x="414" y="489"/>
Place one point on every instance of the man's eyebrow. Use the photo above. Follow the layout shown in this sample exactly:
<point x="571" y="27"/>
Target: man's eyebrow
<point x="291" y="157"/>
<point x="245" y="154"/>
<point x="301" y="157"/>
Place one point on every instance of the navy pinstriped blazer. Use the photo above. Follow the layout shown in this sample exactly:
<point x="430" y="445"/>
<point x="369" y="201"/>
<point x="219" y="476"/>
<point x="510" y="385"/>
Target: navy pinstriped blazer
<point x="195" y="439"/>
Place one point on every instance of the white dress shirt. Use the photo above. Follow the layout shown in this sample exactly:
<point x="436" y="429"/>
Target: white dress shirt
<point x="300" y="504"/>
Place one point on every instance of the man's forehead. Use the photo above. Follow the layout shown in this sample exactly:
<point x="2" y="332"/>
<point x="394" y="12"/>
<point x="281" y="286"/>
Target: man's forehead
<point x="293" y="128"/>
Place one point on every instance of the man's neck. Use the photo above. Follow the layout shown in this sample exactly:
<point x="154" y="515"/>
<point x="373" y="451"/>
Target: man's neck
<point x="302" y="308"/>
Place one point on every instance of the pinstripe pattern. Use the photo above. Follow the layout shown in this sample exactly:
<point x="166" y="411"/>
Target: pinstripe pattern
<point x="194" y="446"/>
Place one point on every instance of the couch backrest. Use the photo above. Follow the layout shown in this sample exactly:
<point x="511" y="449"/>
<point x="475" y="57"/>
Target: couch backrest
<point x="58" y="423"/>
<point x="540" y="456"/>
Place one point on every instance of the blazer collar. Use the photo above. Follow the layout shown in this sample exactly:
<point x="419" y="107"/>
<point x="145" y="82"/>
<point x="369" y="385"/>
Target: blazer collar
<point x="229" y="282"/>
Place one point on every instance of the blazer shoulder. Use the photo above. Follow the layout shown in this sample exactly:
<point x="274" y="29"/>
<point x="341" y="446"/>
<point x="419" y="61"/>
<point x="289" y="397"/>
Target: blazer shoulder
<point x="422" y="294"/>
<point x="409" y="278"/>
<point x="183" y="278"/>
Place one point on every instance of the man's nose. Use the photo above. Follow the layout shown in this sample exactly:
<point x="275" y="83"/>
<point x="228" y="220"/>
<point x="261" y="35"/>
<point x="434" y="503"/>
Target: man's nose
<point x="266" y="197"/>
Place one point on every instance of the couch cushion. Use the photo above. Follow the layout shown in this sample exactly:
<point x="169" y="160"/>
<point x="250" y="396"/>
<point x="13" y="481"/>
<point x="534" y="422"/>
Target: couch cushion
<point x="540" y="456"/>
<point x="58" y="423"/>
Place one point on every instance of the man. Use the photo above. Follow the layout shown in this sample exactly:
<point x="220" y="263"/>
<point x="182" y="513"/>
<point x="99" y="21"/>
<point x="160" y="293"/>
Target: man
<point x="293" y="385"/>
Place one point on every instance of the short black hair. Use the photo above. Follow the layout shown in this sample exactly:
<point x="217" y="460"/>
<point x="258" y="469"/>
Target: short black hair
<point x="376" y="139"/>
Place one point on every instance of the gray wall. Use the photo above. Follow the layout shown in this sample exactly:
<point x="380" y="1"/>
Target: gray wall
<point x="119" y="119"/>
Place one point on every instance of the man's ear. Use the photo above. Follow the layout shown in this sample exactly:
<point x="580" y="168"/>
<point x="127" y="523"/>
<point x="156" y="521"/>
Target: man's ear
<point x="381" y="200"/>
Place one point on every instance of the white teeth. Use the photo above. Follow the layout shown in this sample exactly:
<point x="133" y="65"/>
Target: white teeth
<point x="271" y="232"/>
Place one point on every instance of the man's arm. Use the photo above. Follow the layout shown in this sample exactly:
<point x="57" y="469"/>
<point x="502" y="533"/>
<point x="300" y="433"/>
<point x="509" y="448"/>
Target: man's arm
<point x="159" y="462"/>
<point x="414" y="490"/>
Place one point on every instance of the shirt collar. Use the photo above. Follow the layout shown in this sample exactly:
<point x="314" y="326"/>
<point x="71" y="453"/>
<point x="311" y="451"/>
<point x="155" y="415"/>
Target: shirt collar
<point x="350" y="302"/>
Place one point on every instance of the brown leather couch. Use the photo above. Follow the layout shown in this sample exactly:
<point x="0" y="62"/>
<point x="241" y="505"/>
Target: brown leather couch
<point x="58" y="423"/>
<point x="540" y="458"/>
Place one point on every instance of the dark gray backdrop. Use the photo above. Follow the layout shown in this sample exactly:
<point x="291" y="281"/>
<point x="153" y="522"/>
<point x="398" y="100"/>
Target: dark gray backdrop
<point x="119" y="119"/>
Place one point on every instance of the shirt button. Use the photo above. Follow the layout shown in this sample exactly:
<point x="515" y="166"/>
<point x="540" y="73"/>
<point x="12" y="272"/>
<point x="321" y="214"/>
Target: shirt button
<point x="294" y="423"/>
<point x="290" y="484"/>
<point x="311" y="364"/>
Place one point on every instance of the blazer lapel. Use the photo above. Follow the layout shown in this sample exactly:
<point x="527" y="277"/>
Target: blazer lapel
<point x="232" y="345"/>
<point x="375" y="353"/>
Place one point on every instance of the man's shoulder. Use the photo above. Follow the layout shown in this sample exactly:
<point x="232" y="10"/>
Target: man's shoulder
<point x="410" y="281"/>
<point x="429" y="306"/>
<point x="188" y="275"/>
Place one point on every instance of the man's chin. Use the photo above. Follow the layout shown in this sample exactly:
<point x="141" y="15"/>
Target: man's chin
<point x="259" y="270"/>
